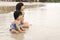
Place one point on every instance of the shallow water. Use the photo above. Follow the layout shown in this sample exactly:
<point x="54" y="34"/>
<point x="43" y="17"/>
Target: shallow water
<point x="45" y="24"/>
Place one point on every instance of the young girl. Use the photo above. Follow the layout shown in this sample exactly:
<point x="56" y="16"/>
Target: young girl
<point x="17" y="26"/>
<point x="20" y="7"/>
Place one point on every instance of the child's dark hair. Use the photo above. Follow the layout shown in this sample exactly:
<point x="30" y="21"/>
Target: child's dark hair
<point x="17" y="14"/>
<point x="19" y="5"/>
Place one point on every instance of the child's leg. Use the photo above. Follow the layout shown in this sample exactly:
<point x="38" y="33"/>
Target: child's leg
<point x="14" y="31"/>
<point x="25" y="25"/>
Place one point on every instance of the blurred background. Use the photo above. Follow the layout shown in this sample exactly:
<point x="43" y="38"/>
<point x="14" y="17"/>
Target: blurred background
<point x="31" y="0"/>
<point x="9" y="5"/>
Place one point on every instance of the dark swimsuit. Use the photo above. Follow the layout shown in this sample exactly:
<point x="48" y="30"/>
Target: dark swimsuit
<point x="13" y="26"/>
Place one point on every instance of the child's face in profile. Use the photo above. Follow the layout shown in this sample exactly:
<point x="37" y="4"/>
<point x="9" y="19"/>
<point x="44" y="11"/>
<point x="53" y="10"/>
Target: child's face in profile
<point x="22" y="8"/>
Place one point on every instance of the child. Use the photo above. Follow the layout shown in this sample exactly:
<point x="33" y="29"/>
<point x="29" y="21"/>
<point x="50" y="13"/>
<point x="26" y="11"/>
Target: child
<point x="16" y="26"/>
<point x="20" y="7"/>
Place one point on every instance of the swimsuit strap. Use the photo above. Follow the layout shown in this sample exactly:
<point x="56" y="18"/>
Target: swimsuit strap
<point x="20" y="25"/>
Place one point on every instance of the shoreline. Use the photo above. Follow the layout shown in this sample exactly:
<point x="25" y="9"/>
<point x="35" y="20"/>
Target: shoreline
<point x="6" y="7"/>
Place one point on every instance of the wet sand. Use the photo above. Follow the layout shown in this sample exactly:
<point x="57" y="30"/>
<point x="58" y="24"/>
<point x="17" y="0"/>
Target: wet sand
<point x="45" y="24"/>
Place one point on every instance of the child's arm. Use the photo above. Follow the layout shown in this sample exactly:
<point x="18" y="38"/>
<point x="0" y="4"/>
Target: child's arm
<point x="18" y="27"/>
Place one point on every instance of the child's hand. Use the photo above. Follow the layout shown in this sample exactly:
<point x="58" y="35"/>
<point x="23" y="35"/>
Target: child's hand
<point x="22" y="29"/>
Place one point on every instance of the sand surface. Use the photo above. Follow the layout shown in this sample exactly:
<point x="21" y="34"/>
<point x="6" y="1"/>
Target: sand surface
<point x="45" y="24"/>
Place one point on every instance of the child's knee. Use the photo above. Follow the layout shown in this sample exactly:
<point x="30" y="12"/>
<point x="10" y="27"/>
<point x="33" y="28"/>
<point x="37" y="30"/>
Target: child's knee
<point x="25" y="25"/>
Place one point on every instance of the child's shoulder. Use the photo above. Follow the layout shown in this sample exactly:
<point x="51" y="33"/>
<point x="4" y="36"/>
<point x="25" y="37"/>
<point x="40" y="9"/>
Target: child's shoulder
<point x="15" y="22"/>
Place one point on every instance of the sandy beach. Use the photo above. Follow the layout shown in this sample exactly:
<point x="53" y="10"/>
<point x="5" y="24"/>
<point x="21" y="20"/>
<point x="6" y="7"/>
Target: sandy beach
<point x="45" y="24"/>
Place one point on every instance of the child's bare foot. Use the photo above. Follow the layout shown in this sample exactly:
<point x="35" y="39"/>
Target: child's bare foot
<point x="15" y="32"/>
<point x="22" y="31"/>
